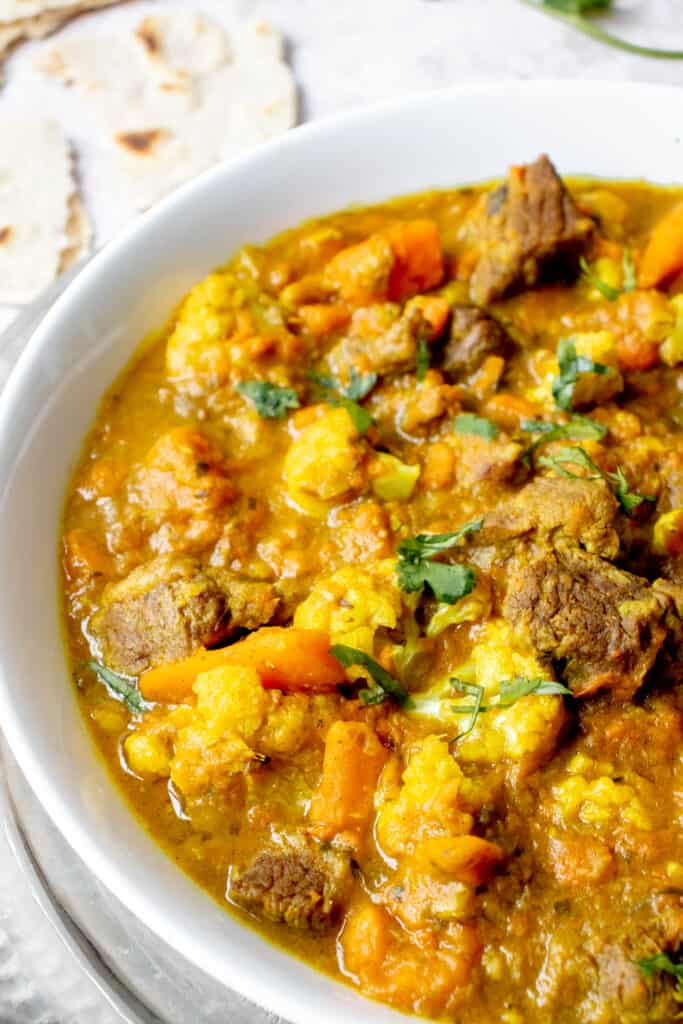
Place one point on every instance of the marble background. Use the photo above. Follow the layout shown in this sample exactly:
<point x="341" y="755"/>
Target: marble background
<point x="344" y="53"/>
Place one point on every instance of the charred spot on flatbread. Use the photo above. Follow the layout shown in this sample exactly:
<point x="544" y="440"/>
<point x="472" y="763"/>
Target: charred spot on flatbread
<point x="5" y="234"/>
<point x="140" y="143"/>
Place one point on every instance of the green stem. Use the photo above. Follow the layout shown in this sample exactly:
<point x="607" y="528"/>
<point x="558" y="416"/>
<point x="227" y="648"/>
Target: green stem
<point x="588" y="28"/>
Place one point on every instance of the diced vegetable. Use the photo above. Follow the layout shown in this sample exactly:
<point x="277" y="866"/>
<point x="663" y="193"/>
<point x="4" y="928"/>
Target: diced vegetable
<point x="354" y="758"/>
<point x="393" y="480"/>
<point x="418" y="262"/>
<point x="285" y="659"/>
<point x="663" y="256"/>
<point x="319" y="319"/>
<point x="468" y="859"/>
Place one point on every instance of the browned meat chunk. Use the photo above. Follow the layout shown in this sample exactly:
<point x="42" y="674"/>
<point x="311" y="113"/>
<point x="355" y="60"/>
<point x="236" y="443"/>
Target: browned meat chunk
<point x="583" y="511"/>
<point x="166" y="609"/>
<point x="391" y="351"/>
<point x="298" y="885"/>
<point x="603" y="626"/>
<point x="527" y="227"/>
<point x="474" y="336"/>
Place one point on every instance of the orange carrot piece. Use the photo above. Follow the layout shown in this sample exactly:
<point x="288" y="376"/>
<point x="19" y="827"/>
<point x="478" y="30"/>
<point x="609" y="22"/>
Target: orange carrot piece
<point x="360" y="273"/>
<point x="319" y="319"/>
<point x="467" y="858"/>
<point x="285" y="659"/>
<point x="438" y="467"/>
<point x="418" y="260"/>
<point x="663" y="256"/>
<point x="354" y="757"/>
<point x="435" y="310"/>
<point x="507" y="411"/>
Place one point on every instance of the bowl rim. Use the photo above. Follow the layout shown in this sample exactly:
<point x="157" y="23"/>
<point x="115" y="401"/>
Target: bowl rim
<point x="87" y="846"/>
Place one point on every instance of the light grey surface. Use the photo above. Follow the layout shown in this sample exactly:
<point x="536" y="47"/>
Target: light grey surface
<point x="344" y="54"/>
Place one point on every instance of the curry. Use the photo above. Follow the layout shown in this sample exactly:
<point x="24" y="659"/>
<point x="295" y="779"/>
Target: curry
<point x="373" y="580"/>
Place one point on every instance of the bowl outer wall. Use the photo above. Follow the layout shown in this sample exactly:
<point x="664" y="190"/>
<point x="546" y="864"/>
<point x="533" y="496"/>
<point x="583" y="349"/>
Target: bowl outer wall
<point x="435" y="140"/>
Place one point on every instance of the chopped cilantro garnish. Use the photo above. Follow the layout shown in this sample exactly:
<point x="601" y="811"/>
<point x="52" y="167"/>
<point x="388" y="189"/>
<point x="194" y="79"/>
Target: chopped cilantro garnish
<point x="628" y="270"/>
<point x="415" y="568"/>
<point x="384" y="684"/>
<point x="468" y="423"/>
<point x="571" y="365"/>
<point x="271" y="401"/>
<point x="578" y="456"/>
<point x="348" y="396"/>
<point x="120" y="687"/>
<point x="422" y="361"/>
<point x="579" y="428"/>
<point x="608" y="291"/>
<point x="511" y="690"/>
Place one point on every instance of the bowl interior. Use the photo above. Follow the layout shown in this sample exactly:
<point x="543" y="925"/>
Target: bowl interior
<point x="438" y="140"/>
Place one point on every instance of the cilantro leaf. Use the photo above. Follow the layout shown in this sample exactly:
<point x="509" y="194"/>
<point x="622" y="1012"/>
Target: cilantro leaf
<point x="415" y="568"/>
<point x="271" y="401"/>
<point x="384" y="684"/>
<point x="608" y="291"/>
<point x="579" y="428"/>
<point x="511" y="690"/>
<point x="629" y="500"/>
<point x="468" y="423"/>
<point x="571" y="365"/>
<point x="120" y="687"/>
<point x="660" y="962"/>
<point x="348" y="397"/>
<point x="422" y="362"/>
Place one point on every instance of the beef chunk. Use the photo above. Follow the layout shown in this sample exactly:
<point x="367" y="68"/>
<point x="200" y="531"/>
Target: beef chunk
<point x="603" y="626"/>
<point x="299" y="885"/>
<point x="391" y="351"/>
<point x="526" y="228"/>
<point x="162" y="611"/>
<point x="582" y="511"/>
<point x="474" y="335"/>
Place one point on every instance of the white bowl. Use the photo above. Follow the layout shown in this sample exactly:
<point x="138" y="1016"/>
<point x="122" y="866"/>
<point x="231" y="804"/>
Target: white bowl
<point x="438" y="140"/>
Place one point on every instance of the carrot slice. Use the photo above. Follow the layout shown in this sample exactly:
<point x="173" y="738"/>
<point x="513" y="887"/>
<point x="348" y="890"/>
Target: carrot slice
<point x="663" y="256"/>
<point x="354" y="757"/>
<point x="285" y="659"/>
<point x="418" y="261"/>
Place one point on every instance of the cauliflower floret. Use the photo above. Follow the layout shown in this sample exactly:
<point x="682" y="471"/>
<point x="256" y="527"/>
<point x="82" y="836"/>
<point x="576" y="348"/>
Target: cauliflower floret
<point x="148" y="754"/>
<point x="326" y="463"/>
<point x="435" y="799"/>
<point x="597" y="801"/>
<point x="671" y="350"/>
<point x="234" y="723"/>
<point x="527" y="731"/>
<point x="197" y="345"/>
<point x="352" y="604"/>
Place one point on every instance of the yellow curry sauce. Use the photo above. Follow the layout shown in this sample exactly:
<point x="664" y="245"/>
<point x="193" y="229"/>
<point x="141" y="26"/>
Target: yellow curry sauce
<point x="372" y="573"/>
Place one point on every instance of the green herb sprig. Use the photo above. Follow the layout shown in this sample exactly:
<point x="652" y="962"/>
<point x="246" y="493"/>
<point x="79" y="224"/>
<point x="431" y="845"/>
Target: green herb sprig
<point x="120" y="687"/>
<point x="608" y="291"/>
<point x="577" y="14"/>
<point x="511" y="690"/>
<point x="415" y="568"/>
<point x="348" y="396"/>
<point x="662" y="963"/>
<point x="271" y="401"/>
<point x="384" y="684"/>
<point x="579" y="428"/>
<point x="422" y="360"/>
<point x="578" y="456"/>
<point x="571" y="365"/>
<point x="468" y="423"/>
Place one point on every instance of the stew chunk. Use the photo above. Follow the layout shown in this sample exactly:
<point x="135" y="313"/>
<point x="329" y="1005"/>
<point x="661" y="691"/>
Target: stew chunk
<point x="528" y="226"/>
<point x="606" y="626"/>
<point x="474" y="336"/>
<point x="162" y="611"/>
<point x="298" y="885"/>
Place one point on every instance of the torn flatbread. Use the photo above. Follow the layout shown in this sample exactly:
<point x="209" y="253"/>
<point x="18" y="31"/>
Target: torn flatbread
<point x="176" y="95"/>
<point x="33" y="19"/>
<point x="43" y="227"/>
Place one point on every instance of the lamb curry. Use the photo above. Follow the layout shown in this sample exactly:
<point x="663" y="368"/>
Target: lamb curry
<point x="373" y="581"/>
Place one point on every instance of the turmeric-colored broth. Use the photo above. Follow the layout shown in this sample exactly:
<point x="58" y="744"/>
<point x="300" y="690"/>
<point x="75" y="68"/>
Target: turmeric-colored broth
<point x="522" y="864"/>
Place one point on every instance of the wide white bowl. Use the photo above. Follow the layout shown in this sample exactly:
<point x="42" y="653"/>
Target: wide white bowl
<point x="436" y="140"/>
